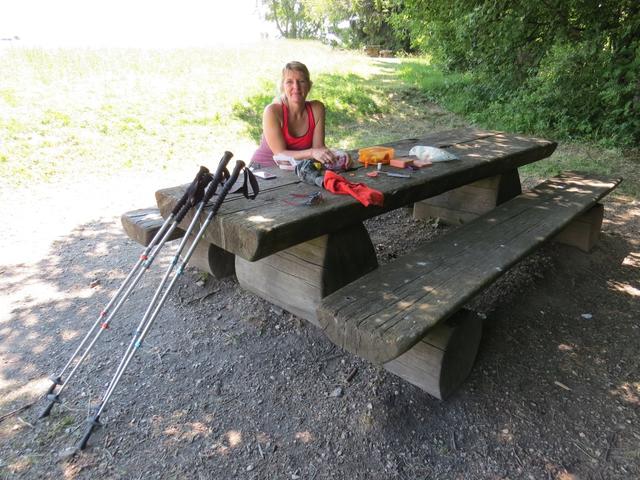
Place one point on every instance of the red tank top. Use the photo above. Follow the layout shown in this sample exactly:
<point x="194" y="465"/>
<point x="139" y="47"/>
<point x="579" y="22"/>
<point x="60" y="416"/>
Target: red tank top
<point x="306" y="140"/>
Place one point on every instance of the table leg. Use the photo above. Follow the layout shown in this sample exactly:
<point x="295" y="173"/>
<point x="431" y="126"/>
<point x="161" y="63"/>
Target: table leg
<point x="297" y="278"/>
<point x="442" y="360"/>
<point x="463" y="204"/>
<point x="211" y="259"/>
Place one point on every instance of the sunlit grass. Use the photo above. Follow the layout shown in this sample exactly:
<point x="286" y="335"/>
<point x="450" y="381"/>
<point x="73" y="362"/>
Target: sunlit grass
<point x="98" y="111"/>
<point x="452" y="92"/>
<point x="71" y="112"/>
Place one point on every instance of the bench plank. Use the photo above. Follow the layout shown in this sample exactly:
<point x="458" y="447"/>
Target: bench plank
<point x="383" y="314"/>
<point x="142" y="225"/>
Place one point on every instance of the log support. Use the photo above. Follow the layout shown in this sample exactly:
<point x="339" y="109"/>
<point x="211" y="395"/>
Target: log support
<point x="584" y="231"/>
<point x="210" y="258"/>
<point x="442" y="360"/>
<point x="463" y="204"/>
<point x="297" y="278"/>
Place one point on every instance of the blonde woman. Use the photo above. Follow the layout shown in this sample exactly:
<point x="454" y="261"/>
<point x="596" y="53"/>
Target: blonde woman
<point x="292" y="126"/>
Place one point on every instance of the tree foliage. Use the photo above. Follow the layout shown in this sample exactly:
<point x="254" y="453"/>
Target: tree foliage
<point x="353" y="23"/>
<point x="291" y="18"/>
<point x="570" y="67"/>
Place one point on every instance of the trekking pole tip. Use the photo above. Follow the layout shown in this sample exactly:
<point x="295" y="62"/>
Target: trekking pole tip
<point x="92" y="422"/>
<point x="53" y="399"/>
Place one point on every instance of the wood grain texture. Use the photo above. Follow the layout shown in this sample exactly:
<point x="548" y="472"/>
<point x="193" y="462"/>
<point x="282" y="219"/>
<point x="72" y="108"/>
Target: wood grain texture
<point x="142" y="225"/>
<point x="463" y="204"/>
<point x="584" y="231"/>
<point x="383" y="314"/>
<point x="299" y="277"/>
<point x="254" y="229"/>
<point x="443" y="358"/>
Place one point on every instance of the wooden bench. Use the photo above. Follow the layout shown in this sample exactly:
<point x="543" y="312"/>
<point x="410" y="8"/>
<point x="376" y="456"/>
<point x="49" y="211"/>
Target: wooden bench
<point x="408" y="315"/>
<point x="142" y="225"/>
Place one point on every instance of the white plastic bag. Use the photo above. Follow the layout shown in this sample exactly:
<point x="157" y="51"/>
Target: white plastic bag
<point x="432" y="154"/>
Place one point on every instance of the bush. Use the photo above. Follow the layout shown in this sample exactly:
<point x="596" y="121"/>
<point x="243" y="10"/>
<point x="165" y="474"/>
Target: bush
<point x="571" y="69"/>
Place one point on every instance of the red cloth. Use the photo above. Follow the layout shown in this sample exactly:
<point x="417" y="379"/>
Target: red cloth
<point x="365" y="195"/>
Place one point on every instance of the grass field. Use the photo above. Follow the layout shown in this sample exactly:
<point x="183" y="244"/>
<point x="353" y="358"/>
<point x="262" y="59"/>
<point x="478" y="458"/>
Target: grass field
<point x="448" y="90"/>
<point x="105" y="111"/>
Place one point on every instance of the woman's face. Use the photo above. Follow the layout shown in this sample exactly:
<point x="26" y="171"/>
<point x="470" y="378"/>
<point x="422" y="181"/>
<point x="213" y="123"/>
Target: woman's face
<point x="295" y="85"/>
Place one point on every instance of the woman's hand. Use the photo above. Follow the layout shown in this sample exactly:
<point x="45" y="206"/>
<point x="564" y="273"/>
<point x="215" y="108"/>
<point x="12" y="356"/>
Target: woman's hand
<point x="323" y="155"/>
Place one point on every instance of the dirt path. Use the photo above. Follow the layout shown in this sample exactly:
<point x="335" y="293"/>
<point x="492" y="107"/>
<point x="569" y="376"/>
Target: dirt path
<point x="227" y="386"/>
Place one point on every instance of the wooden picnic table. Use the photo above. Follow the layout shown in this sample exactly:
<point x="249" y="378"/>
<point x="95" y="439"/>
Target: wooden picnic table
<point x="318" y="262"/>
<point x="294" y="255"/>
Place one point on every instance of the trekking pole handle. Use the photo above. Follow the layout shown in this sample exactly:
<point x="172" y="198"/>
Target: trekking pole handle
<point x="199" y="177"/>
<point x="217" y="177"/>
<point x="227" y="185"/>
<point x="226" y="156"/>
<point x="210" y="189"/>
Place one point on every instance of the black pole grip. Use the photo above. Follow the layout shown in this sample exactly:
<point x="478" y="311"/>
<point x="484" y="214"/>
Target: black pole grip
<point x="217" y="177"/>
<point x="227" y="185"/>
<point x="194" y="197"/>
<point x="195" y="192"/>
<point x="201" y="174"/>
<point x="93" y="423"/>
<point x="226" y="156"/>
<point x="210" y="188"/>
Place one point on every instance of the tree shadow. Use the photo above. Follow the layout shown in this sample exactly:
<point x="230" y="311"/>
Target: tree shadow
<point x="54" y="301"/>
<point x="222" y="372"/>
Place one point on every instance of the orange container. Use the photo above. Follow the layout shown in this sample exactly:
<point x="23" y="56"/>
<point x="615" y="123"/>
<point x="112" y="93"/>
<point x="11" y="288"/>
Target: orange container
<point x="374" y="155"/>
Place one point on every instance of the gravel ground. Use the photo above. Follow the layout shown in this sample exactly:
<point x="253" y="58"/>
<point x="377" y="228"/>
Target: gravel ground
<point x="227" y="386"/>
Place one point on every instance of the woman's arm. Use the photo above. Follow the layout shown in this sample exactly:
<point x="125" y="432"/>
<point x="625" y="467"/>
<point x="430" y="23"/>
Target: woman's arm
<point x="272" y="127"/>
<point x="319" y="115"/>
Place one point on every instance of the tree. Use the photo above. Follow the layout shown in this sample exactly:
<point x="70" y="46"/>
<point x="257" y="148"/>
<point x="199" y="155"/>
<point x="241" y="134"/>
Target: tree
<point x="575" y="63"/>
<point x="291" y="18"/>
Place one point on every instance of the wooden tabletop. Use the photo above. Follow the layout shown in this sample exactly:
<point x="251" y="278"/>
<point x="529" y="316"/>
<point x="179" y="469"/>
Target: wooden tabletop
<point x="277" y="220"/>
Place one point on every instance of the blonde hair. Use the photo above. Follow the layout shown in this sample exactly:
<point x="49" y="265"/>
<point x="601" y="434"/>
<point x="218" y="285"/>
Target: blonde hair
<point x="293" y="67"/>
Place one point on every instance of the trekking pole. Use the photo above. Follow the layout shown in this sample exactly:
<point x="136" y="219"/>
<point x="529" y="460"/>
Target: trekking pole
<point x="151" y="313"/>
<point x="194" y="193"/>
<point x="221" y="173"/>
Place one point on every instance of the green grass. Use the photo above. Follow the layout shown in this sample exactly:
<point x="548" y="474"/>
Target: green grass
<point x="462" y="95"/>
<point x="100" y="111"/>
<point x="104" y="111"/>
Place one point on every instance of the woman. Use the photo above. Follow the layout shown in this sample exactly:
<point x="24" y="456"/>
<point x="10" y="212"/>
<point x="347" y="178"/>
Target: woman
<point x="292" y="126"/>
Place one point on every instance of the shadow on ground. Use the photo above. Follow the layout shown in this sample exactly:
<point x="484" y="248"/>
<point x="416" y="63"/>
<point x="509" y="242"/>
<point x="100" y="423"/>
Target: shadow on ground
<point x="227" y="386"/>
